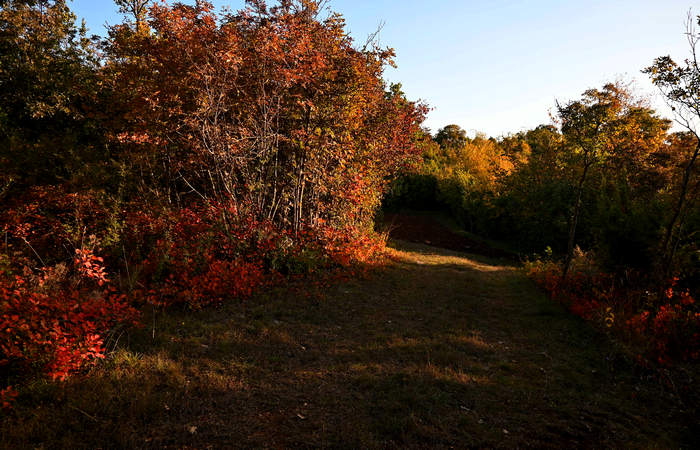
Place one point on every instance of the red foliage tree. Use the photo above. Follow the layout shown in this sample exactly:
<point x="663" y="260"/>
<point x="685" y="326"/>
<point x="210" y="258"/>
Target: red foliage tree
<point x="270" y="109"/>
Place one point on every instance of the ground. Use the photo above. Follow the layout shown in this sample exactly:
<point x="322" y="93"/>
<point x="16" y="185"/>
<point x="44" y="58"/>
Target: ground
<point x="438" y="349"/>
<point x="439" y="230"/>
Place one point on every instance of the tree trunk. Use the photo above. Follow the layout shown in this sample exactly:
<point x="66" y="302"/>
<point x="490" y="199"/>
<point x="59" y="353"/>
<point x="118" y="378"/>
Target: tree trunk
<point x="668" y="249"/>
<point x="574" y="221"/>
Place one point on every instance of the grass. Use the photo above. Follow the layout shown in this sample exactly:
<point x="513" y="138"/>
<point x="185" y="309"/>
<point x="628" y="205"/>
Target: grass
<point x="439" y="349"/>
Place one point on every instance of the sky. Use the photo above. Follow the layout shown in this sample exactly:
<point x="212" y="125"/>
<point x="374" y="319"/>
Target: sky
<point x="498" y="66"/>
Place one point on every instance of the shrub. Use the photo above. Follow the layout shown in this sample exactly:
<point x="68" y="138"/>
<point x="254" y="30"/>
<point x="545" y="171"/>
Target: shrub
<point x="55" y="320"/>
<point x="661" y="328"/>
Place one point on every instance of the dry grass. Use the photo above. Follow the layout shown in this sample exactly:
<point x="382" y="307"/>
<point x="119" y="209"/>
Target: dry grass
<point x="439" y="349"/>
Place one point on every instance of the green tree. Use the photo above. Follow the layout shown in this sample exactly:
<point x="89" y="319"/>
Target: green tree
<point x="535" y="195"/>
<point x="451" y="136"/>
<point x="47" y="91"/>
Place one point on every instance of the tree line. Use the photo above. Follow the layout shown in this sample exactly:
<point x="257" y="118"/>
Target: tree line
<point x="608" y="175"/>
<point x="602" y="202"/>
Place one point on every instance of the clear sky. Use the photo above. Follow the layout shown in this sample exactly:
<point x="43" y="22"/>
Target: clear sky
<point x="497" y="66"/>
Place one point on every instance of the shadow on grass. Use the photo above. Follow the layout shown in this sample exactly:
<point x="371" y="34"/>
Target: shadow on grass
<point x="438" y="349"/>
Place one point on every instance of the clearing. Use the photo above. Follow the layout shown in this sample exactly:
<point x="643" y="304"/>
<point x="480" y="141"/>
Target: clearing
<point x="438" y="349"/>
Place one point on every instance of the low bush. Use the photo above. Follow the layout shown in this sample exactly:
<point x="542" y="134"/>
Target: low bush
<point x="658" y="328"/>
<point x="61" y="303"/>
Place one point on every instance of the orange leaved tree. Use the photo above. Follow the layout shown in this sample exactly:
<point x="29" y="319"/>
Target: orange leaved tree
<point x="272" y="110"/>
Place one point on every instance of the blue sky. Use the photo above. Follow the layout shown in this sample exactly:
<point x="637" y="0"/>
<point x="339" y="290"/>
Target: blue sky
<point x="497" y="66"/>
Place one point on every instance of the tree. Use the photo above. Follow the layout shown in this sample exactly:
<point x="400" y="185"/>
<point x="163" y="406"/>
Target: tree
<point x="451" y="136"/>
<point x="680" y="86"/>
<point x="48" y="85"/>
<point x="137" y="9"/>
<point x="591" y="128"/>
<point x="271" y="110"/>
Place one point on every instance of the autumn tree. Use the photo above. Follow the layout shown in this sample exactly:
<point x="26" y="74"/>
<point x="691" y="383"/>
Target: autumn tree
<point x="680" y="86"/>
<point x="271" y="109"/>
<point x="136" y="10"/>
<point x="590" y="126"/>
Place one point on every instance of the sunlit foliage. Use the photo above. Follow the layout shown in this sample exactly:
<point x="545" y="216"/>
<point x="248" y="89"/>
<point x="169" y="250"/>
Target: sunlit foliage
<point x="189" y="158"/>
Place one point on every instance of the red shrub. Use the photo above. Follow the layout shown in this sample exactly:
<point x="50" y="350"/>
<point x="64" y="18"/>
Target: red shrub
<point x="59" y="330"/>
<point x="669" y="330"/>
<point x="56" y="310"/>
<point x="213" y="254"/>
<point x="663" y="329"/>
<point x="7" y="396"/>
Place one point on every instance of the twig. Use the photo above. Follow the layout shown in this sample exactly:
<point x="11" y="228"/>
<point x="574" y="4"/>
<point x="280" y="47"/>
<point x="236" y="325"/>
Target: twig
<point x="126" y="264"/>
<point x="83" y="412"/>
<point x="37" y="255"/>
<point x="116" y="342"/>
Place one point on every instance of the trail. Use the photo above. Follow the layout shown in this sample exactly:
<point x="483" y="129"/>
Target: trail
<point x="439" y="349"/>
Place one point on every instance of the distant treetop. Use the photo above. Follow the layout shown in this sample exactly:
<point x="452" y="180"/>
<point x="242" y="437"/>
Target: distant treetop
<point x="451" y="136"/>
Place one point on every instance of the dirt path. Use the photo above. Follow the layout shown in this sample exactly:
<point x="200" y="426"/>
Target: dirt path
<point x="439" y="349"/>
<point x="424" y="228"/>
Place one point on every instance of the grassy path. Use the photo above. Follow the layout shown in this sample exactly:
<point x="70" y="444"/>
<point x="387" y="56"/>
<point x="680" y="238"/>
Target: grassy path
<point x="439" y="349"/>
